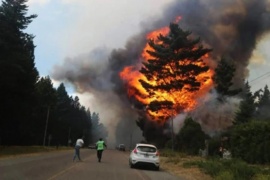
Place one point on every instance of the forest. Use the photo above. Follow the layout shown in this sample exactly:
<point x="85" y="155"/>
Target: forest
<point x="33" y="111"/>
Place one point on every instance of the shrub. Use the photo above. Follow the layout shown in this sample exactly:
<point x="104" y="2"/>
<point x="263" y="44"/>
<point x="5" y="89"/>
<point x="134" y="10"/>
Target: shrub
<point x="226" y="169"/>
<point x="251" y="142"/>
<point x="191" y="138"/>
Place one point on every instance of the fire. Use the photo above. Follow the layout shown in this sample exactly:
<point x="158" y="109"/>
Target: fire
<point x="184" y="99"/>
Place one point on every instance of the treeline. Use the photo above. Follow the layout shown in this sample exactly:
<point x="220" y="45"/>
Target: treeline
<point x="32" y="111"/>
<point x="247" y="139"/>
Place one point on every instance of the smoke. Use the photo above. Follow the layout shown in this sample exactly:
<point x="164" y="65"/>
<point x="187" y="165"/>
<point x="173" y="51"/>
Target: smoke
<point x="232" y="28"/>
<point x="213" y="115"/>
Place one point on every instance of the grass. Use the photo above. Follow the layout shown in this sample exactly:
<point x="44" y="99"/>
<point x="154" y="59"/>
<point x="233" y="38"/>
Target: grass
<point x="172" y="162"/>
<point x="9" y="151"/>
<point x="195" y="167"/>
<point x="229" y="169"/>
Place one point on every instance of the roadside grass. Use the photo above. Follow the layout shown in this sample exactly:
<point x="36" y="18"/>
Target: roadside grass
<point x="10" y="151"/>
<point x="172" y="162"/>
<point x="211" y="168"/>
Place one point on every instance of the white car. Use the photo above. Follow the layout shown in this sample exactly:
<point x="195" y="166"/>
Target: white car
<point x="144" y="154"/>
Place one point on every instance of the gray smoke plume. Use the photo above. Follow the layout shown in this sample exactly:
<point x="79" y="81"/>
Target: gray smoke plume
<point x="232" y="28"/>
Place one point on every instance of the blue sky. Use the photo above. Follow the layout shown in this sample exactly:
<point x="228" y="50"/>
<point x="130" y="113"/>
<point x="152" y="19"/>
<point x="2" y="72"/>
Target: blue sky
<point x="68" y="28"/>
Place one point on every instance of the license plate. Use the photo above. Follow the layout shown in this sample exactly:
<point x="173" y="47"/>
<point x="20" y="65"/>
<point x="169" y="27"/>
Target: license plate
<point x="146" y="155"/>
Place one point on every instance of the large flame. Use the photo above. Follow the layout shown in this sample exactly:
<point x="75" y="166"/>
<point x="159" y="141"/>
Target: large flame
<point x="184" y="99"/>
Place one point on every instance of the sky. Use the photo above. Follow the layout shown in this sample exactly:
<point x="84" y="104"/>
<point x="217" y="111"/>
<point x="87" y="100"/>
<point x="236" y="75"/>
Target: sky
<point x="74" y="28"/>
<point x="68" y="28"/>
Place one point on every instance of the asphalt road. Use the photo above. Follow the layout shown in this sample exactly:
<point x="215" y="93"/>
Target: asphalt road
<point x="59" y="166"/>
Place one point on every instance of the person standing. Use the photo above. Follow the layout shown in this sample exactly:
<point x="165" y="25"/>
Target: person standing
<point x="78" y="145"/>
<point x="100" y="147"/>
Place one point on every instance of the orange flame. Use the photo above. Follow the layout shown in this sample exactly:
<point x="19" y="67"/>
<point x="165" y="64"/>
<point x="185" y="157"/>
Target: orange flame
<point x="182" y="98"/>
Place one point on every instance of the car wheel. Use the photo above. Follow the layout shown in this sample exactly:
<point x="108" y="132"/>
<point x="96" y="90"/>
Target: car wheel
<point x="131" y="165"/>
<point x="157" y="168"/>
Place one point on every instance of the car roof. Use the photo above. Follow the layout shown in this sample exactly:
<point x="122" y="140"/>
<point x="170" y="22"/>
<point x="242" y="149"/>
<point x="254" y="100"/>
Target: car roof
<point x="149" y="145"/>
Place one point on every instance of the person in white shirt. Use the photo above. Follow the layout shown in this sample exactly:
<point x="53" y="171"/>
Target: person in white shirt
<point x="78" y="145"/>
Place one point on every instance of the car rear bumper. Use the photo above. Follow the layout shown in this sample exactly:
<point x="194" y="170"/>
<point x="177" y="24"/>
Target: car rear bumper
<point x="143" y="161"/>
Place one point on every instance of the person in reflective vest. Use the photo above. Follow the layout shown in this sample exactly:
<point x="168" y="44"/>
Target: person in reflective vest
<point x="100" y="147"/>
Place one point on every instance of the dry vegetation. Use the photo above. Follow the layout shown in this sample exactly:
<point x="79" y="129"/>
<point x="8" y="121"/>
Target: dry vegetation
<point x="174" y="165"/>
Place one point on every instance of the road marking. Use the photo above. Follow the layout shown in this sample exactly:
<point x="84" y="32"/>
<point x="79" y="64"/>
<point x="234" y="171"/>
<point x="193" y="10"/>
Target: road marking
<point x="62" y="172"/>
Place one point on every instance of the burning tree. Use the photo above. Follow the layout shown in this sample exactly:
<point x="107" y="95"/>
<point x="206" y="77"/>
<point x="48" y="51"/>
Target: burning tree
<point x="173" y="72"/>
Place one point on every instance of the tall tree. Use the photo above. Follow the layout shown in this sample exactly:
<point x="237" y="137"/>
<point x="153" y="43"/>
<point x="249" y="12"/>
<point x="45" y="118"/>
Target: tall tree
<point x="46" y="102"/>
<point x="60" y="127"/>
<point x="18" y="73"/>
<point x="175" y="64"/>
<point x="223" y="77"/>
<point x="247" y="107"/>
<point x="98" y="129"/>
<point x="263" y="104"/>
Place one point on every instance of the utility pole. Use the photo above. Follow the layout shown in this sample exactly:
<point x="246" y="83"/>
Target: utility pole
<point x="69" y="141"/>
<point x="172" y="136"/>
<point x="130" y="146"/>
<point x="46" y="126"/>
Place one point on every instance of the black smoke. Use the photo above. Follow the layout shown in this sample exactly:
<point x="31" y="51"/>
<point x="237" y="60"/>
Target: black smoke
<point x="232" y="28"/>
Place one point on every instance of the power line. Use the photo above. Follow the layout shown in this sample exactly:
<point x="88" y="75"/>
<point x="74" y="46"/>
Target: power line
<point x="268" y="73"/>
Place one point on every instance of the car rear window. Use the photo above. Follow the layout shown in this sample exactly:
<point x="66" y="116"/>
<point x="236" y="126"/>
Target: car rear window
<point x="146" y="149"/>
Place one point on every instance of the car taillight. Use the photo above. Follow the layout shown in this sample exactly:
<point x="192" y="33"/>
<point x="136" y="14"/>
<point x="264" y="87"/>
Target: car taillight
<point x="157" y="153"/>
<point x="135" y="151"/>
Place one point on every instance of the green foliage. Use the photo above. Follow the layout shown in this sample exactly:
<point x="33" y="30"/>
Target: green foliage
<point x="169" y="153"/>
<point x="263" y="104"/>
<point x="222" y="169"/>
<point x="251" y="142"/>
<point x="17" y="71"/>
<point x="224" y="175"/>
<point x="262" y="177"/>
<point x="224" y="74"/>
<point x="213" y="146"/>
<point x="190" y="138"/>
<point x="28" y="102"/>
<point x="247" y="107"/>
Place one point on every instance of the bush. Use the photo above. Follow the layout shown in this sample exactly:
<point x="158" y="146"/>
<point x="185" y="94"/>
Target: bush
<point x="191" y="138"/>
<point x="251" y="142"/>
<point x="213" y="146"/>
<point x="226" y="169"/>
<point x="224" y="175"/>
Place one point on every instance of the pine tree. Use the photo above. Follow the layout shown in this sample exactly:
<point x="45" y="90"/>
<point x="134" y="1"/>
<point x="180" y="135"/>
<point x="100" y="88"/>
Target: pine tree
<point x="18" y="73"/>
<point x="98" y="129"/>
<point x="224" y="74"/>
<point x="264" y="104"/>
<point x="60" y="125"/>
<point x="247" y="107"/>
<point x="177" y="61"/>
<point x="43" y="111"/>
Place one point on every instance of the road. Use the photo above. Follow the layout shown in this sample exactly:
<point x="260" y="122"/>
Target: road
<point x="59" y="166"/>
